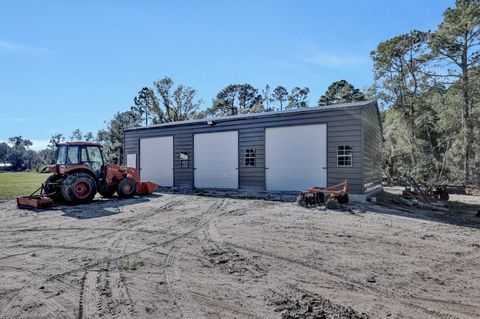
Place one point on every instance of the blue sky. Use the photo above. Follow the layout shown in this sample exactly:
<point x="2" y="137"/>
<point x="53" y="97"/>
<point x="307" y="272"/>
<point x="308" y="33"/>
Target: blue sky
<point x="73" y="64"/>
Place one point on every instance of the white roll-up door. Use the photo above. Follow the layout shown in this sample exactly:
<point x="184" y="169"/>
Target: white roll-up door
<point x="156" y="160"/>
<point x="296" y="157"/>
<point x="215" y="157"/>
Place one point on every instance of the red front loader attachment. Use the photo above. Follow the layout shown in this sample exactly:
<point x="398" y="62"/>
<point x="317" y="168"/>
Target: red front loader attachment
<point x="146" y="188"/>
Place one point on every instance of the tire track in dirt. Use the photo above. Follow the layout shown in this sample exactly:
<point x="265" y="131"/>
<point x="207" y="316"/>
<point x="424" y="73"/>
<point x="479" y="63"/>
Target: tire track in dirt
<point x="24" y="294"/>
<point x="29" y="298"/>
<point x="349" y="282"/>
<point x="280" y="285"/>
<point x="104" y="261"/>
<point x="139" y="219"/>
<point x="222" y="305"/>
<point x="43" y="229"/>
<point x="104" y="295"/>
<point x="179" y="292"/>
<point x="214" y="243"/>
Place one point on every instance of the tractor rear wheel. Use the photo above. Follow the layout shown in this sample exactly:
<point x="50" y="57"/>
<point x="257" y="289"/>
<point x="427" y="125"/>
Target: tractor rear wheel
<point x="79" y="188"/>
<point x="52" y="189"/>
<point x="127" y="187"/>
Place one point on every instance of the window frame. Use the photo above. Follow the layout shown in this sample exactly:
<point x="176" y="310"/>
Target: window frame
<point x="250" y="160"/>
<point x="344" y="155"/>
<point x="183" y="161"/>
<point x="67" y="158"/>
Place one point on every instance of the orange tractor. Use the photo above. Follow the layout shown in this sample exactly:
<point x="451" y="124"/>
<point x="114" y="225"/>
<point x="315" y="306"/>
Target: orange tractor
<point x="79" y="173"/>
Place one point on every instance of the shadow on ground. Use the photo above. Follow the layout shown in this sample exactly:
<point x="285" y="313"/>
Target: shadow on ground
<point x="101" y="207"/>
<point x="236" y="194"/>
<point x="459" y="214"/>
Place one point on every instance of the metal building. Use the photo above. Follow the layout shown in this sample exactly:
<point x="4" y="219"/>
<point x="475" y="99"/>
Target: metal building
<point x="287" y="150"/>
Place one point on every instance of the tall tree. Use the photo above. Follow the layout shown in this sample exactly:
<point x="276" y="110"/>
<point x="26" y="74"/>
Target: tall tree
<point x="88" y="137"/>
<point x="341" y="92"/>
<point x="19" y="142"/>
<point x="298" y="98"/>
<point x="249" y="99"/>
<point x="399" y="69"/>
<point x="235" y="99"/>
<point x="280" y="94"/>
<point x="112" y="136"/>
<point x="76" y="135"/>
<point x="19" y="154"/>
<point x="457" y="43"/>
<point x="176" y="104"/>
<point x="145" y="104"/>
<point x="267" y="97"/>
<point x="4" y="152"/>
<point x="168" y="104"/>
<point x="55" y="139"/>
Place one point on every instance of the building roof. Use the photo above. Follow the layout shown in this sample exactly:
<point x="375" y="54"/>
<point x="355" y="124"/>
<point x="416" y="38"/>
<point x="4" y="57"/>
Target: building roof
<point x="260" y="115"/>
<point x="79" y="143"/>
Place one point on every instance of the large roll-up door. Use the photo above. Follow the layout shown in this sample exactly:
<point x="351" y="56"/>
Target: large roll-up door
<point x="296" y="157"/>
<point x="156" y="160"/>
<point x="215" y="157"/>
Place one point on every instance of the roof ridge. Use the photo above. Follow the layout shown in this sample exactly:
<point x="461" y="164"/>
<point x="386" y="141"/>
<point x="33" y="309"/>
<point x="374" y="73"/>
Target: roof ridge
<point x="260" y="114"/>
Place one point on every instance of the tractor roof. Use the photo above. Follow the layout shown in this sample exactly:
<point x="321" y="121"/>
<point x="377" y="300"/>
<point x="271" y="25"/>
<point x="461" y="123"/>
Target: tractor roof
<point x="79" y="143"/>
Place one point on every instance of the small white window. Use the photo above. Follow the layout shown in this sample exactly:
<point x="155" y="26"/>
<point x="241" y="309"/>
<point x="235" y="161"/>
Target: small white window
<point x="184" y="159"/>
<point x="344" y="155"/>
<point x="249" y="157"/>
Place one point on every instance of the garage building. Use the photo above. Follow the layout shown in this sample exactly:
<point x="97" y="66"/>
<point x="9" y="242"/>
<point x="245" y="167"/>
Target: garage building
<point x="288" y="150"/>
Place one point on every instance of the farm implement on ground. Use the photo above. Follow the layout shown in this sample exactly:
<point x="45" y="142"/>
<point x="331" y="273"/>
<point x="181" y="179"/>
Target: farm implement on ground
<point x="332" y="197"/>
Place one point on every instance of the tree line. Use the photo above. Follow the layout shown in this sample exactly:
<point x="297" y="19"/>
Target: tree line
<point x="166" y="102"/>
<point x="428" y="83"/>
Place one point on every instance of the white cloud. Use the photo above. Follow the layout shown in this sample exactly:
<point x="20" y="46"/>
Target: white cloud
<point x="335" y="60"/>
<point x="6" y="46"/>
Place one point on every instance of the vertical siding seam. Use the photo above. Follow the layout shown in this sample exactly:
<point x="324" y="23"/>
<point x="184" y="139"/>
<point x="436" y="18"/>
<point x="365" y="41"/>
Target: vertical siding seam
<point x="363" y="151"/>
<point x="124" y="155"/>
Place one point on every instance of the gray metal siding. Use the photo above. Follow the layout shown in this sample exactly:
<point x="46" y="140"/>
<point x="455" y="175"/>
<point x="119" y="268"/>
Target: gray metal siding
<point x="344" y="127"/>
<point x="372" y="148"/>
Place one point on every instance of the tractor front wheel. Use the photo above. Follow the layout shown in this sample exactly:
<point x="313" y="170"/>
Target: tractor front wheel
<point x="127" y="187"/>
<point x="79" y="188"/>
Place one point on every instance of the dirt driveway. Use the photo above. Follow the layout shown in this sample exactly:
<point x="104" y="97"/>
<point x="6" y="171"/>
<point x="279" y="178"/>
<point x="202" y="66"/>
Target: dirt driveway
<point x="182" y="256"/>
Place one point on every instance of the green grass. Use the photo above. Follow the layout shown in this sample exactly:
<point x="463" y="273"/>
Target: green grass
<point x="13" y="184"/>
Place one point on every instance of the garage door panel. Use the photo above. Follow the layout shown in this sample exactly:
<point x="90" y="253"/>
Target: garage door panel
<point x="295" y="157"/>
<point x="156" y="160"/>
<point x="216" y="160"/>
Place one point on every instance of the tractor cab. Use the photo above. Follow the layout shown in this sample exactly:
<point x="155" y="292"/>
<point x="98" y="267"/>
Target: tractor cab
<point x="77" y="154"/>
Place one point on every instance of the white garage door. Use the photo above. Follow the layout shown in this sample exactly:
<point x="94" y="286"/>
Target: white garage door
<point x="156" y="160"/>
<point x="296" y="157"/>
<point x="215" y="157"/>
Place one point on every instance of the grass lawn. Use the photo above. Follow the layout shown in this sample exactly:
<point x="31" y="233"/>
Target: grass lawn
<point x="13" y="184"/>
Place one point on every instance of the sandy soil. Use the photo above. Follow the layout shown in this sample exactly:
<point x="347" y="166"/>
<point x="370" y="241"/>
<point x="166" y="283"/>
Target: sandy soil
<point x="185" y="256"/>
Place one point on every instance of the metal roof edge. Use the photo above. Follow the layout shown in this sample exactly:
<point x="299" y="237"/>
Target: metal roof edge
<point x="312" y="109"/>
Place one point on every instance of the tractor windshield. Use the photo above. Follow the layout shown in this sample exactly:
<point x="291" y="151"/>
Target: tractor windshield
<point x="61" y="155"/>
<point x="92" y="156"/>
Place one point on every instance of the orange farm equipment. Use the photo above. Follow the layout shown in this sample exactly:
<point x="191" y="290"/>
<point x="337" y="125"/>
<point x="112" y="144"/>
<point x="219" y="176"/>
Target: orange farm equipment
<point x="80" y="172"/>
<point x="331" y="197"/>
